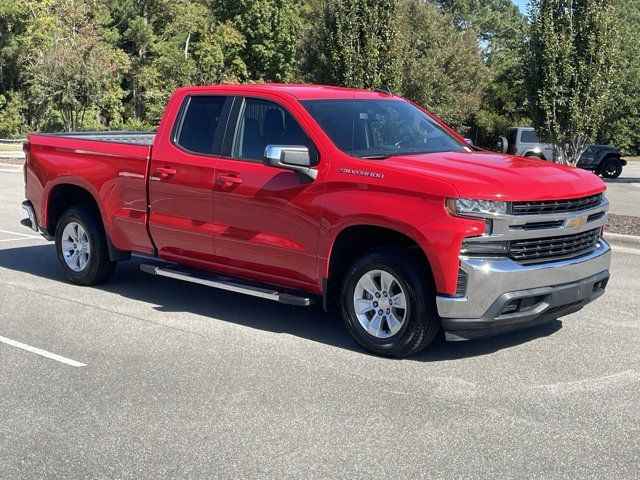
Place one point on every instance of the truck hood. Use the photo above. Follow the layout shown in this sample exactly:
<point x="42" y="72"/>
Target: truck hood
<point x="491" y="176"/>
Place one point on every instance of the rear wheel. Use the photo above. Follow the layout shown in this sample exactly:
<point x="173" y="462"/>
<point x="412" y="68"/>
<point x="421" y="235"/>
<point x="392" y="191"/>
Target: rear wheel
<point x="81" y="245"/>
<point x="388" y="304"/>
<point x="611" y="167"/>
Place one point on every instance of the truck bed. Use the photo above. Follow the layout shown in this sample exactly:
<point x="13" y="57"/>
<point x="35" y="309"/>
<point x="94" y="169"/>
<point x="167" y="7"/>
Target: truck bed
<point x="112" y="166"/>
<point x="112" y="136"/>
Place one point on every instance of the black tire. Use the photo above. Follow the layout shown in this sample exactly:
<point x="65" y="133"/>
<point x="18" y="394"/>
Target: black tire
<point x="611" y="167"/>
<point x="99" y="267"/>
<point x="421" y="322"/>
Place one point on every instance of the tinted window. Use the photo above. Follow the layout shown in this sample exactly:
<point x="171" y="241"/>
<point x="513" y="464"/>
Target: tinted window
<point x="529" y="136"/>
<point x="379" y="128"/>
<point x="263" y="123"/>
<point x="199" y="123"/>
<point x="511" y="136"/>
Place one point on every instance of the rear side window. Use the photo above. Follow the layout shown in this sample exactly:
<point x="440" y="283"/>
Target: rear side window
<point x="529" y="136"/>
<point x="200" y="121"/>
<point x="511" y="136"/>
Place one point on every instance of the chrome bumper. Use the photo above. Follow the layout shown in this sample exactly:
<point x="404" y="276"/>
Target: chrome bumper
<point x="493" y="282"/>
<point x="31" y="222"/>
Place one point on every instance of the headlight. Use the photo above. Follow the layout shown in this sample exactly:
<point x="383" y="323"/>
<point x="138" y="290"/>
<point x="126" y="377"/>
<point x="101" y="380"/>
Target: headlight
<point x="462" y="206"/>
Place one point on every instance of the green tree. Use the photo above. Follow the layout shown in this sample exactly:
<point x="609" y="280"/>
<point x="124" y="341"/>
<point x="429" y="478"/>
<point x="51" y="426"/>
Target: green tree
<point x="272" y="32"/>
<point x="173" y="43"/>
<point x="11" y="122"/>
<point x="496" y="22"/>
<point x="501" y="30"/>
<point x="356" y="44"/>
<point x="442" y="68"/>
<point x="572" y="56"/>
<point x="622" y="125"/>
<point x="71" y="72"/>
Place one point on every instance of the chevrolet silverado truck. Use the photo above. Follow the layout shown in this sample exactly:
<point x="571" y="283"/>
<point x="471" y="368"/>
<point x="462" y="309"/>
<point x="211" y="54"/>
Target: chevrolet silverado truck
<point x="355" y="199"/>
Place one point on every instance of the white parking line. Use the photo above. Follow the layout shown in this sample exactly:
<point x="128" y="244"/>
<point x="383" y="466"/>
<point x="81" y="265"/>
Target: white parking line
<point x="20" y="234"/>
<point x="41" y="352"/>
<point x="20" y="239"/>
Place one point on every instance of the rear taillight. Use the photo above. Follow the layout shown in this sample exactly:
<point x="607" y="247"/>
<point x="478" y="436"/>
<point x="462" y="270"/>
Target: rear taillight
<point x="26" y="148"/>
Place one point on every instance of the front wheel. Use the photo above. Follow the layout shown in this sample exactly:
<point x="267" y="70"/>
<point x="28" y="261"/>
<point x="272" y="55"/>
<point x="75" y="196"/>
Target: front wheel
<point x="611" y="167"/>
<point x="81" y="245"/>
<point x="388" y="305"/>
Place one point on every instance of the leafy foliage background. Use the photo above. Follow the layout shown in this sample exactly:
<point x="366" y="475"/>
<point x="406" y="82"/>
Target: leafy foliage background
<point x="112" y="64"/>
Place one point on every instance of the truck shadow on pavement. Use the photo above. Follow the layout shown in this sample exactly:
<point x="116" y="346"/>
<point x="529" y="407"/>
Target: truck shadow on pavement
<point x="310" y="323"/>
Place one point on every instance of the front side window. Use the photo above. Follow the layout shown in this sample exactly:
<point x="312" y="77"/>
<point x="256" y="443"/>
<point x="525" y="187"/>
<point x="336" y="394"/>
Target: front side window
<point x="200" y="122"/>
<point x="263" y="123"/>
<point x="380" y="128"/>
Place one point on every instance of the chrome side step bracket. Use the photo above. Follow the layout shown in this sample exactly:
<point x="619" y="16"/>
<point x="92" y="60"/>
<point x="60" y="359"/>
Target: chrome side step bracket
<point x="225" y="283"/>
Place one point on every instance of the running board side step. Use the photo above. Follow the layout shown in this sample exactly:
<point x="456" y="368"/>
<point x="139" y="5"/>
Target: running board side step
<point x="225" y="283"/>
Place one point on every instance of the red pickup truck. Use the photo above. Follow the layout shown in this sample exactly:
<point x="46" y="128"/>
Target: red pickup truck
<point x="358" y="199"/>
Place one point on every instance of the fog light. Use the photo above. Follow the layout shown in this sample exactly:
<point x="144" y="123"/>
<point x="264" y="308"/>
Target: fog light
<point x="512" y="307"/>
<point x="485" y="247"/>
<point x="463" y="280"/>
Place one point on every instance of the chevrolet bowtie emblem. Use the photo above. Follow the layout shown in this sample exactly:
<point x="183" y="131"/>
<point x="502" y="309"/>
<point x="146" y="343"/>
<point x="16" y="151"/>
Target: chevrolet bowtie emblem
<point x="575" y="222"/>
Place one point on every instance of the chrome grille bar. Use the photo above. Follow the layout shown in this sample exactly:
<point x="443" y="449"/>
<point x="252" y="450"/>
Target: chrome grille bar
<point x="545" y="249"/>
<point x="556" y="206"/>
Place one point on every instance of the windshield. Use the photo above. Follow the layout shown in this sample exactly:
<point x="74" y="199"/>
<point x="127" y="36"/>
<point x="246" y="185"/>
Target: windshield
<point x="380" y="128"/>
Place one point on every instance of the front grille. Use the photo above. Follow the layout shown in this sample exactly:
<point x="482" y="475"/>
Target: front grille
<point x="595" y="216"/>
<point x="538" y="225"/>
<point x="546" y="249"/>
<point x="556" y="206"/>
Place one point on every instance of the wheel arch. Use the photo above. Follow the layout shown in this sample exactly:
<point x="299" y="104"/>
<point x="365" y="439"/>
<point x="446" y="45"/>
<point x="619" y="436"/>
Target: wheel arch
<point x="65" y="195"/>
<point x="605" y="156"/>
<point x="351" y="241"/>
<point x="534" y="154"/>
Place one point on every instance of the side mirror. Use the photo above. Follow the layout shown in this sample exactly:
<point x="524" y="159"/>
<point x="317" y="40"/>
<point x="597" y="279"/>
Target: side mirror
<point x="290" y="157"/>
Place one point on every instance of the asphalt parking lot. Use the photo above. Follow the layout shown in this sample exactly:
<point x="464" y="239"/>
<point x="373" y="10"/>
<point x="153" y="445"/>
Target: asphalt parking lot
<point x="181" y="381"/>
<point x="624" y="192"/>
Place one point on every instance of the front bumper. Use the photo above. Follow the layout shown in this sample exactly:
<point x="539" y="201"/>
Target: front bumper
<point x="503" y="295"/>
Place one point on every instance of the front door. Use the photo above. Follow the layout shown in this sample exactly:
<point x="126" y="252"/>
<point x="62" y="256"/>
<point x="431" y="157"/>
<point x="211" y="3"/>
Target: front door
<point x="266" y="220"/>
<point x="181" y="180"/>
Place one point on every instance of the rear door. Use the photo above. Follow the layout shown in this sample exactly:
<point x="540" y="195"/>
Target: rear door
<point x="181" y="179"/>
<point x="266" y="220"/>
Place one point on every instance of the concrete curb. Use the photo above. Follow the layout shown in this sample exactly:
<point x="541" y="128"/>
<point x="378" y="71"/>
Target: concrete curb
<point x="12" y="154"/>
<point x="13" y="162"/>
<point x="619" y="240"/>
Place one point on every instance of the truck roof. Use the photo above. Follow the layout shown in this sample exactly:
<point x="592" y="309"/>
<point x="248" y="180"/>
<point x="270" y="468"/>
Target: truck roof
<point x="299" y="91"/>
